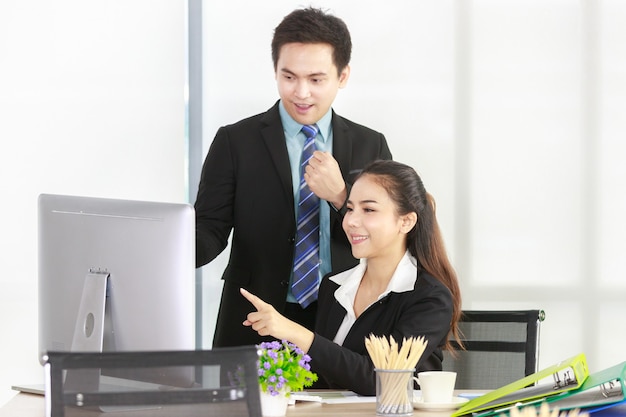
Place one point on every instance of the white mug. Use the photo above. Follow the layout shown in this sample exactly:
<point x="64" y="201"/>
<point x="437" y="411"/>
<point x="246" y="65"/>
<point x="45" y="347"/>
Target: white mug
<point x="436" y="386"/>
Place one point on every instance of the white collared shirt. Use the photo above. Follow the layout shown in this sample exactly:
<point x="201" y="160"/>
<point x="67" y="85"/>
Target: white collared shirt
<point x="402" y="280"/>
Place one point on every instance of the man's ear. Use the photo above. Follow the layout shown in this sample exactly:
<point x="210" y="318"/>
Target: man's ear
<point x="343" y="76"/>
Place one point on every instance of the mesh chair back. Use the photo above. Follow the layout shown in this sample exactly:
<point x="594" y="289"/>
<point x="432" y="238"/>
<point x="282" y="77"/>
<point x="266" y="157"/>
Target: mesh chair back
<point x="153" y="384"/>
<point x="500" y="347"/>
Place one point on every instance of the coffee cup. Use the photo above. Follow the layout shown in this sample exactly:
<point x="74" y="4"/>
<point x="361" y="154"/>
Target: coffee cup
<point x="436" y="386"/>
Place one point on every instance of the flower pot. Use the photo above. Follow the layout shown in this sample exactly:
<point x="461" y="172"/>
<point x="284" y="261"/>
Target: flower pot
<point x="274" y="405"/>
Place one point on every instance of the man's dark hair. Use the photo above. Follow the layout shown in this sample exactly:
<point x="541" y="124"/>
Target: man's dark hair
<point x="313" y="25"/>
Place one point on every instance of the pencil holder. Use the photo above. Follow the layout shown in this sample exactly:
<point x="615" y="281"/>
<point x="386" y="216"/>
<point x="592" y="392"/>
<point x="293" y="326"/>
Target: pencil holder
<point x="394" y="392"/>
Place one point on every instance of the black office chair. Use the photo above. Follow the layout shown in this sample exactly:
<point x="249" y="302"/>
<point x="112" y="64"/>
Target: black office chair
<point x="125" y="383"/>
<point x="500" y="347"/>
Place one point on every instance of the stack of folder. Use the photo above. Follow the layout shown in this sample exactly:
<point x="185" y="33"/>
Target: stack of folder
<point x="566" y="385"/>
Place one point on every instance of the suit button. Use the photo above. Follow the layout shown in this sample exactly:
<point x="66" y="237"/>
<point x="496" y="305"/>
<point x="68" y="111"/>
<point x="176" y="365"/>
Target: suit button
<point x="291" y="239"/>
<point x="284" y="283"/>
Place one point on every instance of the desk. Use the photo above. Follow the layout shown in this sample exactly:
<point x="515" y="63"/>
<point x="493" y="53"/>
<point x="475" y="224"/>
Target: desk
<point x="31" y="405"/>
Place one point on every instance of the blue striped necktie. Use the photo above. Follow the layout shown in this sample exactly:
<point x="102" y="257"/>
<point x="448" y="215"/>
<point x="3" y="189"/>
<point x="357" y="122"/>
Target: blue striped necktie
<point x="306" y="260"/>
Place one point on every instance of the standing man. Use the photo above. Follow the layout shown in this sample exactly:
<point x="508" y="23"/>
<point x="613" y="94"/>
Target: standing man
<point x="279" y="180"/>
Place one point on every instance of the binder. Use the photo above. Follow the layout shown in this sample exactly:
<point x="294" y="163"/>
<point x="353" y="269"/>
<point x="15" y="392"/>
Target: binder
<point x="564" y="376"/>
<point x="600" y="390"/>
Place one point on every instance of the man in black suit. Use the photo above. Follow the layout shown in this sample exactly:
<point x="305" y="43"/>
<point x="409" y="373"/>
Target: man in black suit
<point x="251" y="176"/>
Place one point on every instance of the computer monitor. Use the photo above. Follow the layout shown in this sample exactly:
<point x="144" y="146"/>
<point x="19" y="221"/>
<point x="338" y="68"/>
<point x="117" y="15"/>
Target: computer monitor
<point x="116" y="275"/>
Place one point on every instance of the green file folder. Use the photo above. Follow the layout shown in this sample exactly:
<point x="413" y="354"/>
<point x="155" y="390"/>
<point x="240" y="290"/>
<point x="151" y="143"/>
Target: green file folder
<point x="600" y="390"/>
<point x="566" y="375"/>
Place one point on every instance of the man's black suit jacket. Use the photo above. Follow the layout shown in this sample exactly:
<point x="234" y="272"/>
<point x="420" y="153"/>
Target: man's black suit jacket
<point x="246" y="187"/>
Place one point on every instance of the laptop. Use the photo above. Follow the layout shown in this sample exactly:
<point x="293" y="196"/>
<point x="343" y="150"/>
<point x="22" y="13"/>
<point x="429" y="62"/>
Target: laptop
<point x="39" y="389"/>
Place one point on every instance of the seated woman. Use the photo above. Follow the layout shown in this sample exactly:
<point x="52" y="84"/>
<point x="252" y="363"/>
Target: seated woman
<point x="403" y="287"/>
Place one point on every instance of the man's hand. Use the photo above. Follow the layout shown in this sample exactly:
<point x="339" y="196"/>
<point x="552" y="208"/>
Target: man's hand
<point x="323" y="176"/>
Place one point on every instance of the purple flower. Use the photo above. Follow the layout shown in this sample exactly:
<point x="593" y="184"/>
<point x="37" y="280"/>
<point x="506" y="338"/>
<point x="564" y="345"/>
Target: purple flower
<point x="283" y="366"/>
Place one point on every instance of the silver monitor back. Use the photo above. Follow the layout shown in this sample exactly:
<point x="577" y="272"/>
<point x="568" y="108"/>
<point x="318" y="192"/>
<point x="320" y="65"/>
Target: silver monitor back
<point x="147" y="251"/>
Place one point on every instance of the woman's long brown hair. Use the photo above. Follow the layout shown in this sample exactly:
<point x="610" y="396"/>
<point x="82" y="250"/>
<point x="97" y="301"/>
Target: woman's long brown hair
<point x="424" y="241"/>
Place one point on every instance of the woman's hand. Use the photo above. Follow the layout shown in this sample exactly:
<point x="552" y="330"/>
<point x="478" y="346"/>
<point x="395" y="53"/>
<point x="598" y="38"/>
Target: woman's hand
<point x="266" y="321"/>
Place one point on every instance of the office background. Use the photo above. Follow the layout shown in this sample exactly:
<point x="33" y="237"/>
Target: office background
<point x="513" y="113"/>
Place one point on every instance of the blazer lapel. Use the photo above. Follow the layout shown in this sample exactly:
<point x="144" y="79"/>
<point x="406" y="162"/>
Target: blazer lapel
<point x="274" y="138"/>
<point x="335" y="318"/>
<point x="342" y="144"/>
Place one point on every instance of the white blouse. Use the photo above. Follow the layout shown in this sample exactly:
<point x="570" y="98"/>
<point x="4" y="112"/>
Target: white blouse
<point x="402" y="280"/>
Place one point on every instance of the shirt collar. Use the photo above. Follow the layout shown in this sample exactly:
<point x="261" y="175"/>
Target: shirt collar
<point x="402" y="280"/>
<point x="293" y="128"/>
<point x="404" y="277"/>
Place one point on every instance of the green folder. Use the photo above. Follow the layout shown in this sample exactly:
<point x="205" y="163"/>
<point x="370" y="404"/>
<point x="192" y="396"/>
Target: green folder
<point x="600" y="390"/>
<point x="566" y="375"/>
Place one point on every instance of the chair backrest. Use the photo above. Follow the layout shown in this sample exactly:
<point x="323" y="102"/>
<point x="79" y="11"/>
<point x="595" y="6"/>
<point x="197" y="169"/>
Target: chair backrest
<point x="500" y="347"/>
<point x="79" y="382"/>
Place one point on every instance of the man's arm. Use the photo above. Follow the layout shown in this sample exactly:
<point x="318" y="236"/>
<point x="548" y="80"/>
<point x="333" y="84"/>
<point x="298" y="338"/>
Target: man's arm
<point x="215" y="200"/>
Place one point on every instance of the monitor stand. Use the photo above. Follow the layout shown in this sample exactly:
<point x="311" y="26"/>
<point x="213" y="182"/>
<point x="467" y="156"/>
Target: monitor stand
<point x="90" y="320"/>
<point x="89" y="331"/>
<point x="92" y="332"/>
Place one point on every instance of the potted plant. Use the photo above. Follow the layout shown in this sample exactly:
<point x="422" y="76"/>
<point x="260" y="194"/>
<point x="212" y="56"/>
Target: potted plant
<point x="282" y="368"/>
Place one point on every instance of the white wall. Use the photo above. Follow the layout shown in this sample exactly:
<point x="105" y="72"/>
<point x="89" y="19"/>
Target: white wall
<point x="91" y="103"/>
<point x="513" y="113"/>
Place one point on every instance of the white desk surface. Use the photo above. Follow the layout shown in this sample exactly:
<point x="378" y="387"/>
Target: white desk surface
<point x="31" y="405"/>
